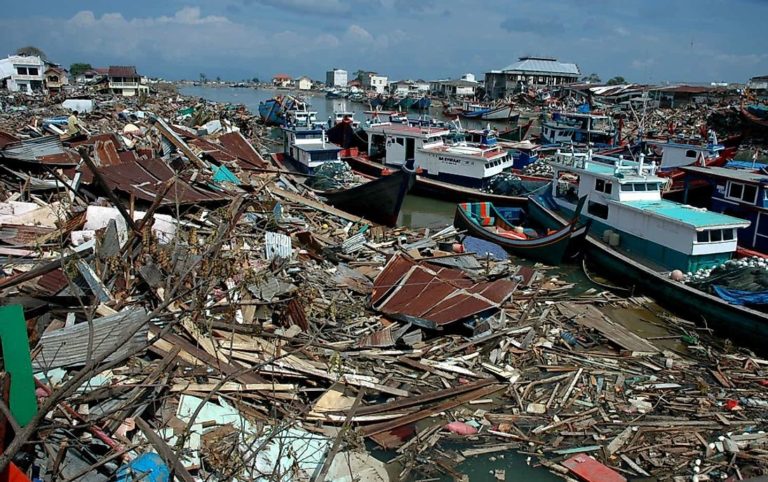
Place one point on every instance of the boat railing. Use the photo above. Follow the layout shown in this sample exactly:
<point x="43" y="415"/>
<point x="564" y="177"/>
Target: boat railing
<point x="581" y="160"/>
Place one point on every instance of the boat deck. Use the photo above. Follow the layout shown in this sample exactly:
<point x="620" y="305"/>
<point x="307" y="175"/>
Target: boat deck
<point x="684" y="214"/>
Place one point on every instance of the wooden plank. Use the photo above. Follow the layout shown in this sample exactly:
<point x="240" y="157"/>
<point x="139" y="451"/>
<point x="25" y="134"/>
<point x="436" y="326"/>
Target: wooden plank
<point x="422" y="414"/>
<point x="232" y="387"/>
<point x="166" y="452"/>
<point x="619" y="441"/>
<point x="289" y="196"/>
<point x="591" y="317"/>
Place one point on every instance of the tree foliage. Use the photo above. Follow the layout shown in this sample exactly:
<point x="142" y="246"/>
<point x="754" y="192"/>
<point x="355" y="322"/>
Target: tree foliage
<point x="31" y="50"/>
<point x="592" y="78"/>
<point x="79" y="68"/>
<point x="618" y="80"/>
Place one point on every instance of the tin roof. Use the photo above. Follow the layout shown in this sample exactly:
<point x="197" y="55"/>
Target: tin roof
<point x="545" y="65"/>
<point x="433" y="296"/>
<point x="684" y="214"/>
<point x="144" y="178"/>
<point x="748" y="177"/>
<point x="46" y="150"/>
<point x="122" y="71"/>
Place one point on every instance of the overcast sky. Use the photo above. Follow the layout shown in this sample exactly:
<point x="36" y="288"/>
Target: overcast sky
<point x="644" y="41"/>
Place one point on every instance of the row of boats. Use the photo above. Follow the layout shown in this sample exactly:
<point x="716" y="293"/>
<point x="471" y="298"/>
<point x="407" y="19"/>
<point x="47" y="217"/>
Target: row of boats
<point x="619" y="206"/>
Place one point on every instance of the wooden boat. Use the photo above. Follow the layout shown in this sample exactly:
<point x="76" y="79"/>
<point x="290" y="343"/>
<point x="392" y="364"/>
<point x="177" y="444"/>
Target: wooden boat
<point x="377" y="199"/>
<point x="504" y="226"/>
<point x="636" y="259"/>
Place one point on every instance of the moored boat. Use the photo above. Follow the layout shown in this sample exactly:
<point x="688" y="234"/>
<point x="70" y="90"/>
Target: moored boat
<point x="647" y="242"/>
<point x="509" y="228"/>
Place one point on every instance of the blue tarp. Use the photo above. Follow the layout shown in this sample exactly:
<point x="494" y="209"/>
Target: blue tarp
<point x="583" y="108"/>
<point x="745" y="165"/>
<point x="741" y="297"/>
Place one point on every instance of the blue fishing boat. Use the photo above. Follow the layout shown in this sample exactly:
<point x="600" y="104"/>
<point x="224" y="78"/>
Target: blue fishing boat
<point x="646" y="242"/>
<point x="274" y="111"/>
<point x="422" y="104"/>
<point x="737" y="192"/>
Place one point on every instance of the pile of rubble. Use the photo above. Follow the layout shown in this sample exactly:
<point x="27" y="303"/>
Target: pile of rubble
<point x="173" y="305"/>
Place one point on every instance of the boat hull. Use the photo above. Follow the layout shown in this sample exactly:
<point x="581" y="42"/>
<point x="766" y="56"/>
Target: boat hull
<point x="736" y="322"/>
<point x="379" y="200"/>
<point x="550" y="249"/>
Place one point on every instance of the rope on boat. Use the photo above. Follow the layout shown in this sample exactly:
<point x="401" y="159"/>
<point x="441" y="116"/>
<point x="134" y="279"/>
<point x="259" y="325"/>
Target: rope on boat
<point x="602" y="285"/>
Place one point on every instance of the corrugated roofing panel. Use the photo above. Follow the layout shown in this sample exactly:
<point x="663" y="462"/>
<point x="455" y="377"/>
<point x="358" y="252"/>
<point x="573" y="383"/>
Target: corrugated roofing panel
<point x="47" y="149"/>
<point x="542" y="66"/>
<point x="438" y="296"/>
<point x="235" y="143"/>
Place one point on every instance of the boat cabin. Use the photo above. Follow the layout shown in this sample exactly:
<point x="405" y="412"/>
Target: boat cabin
<point x="579" y="128"/>
<point x="308" y="148"/>
<point x="671" y="155"/>
<point x="458" y="163"/>
<point x="739" y="193"/>
<point x="625" y="204"/>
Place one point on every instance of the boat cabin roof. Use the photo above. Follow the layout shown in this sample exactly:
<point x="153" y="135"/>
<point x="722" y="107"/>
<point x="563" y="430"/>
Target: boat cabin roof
<point x="739" y="175"/>
<point x="317" y="147"/>
<point x="699" y="218"/>
<point x="618" y="170"/>
<point x="408" y="131"/>
<point x="468" y="151"/>
<point x="682" y="145"/>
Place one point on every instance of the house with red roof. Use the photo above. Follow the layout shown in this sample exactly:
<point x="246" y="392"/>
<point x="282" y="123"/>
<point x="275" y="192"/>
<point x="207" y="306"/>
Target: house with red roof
<point x="124" y="80"/>
<point x="282" y="80"/>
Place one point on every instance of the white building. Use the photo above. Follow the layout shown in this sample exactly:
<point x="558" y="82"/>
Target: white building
<point x="530" y="72"/>
<point x="469" y="77"/>
<point x="336" y="78"/>
<point x="22" y="73"/>
<point x="376" y="83"/>
<point x="304" y="83"/>
<point x="124" y="80"/>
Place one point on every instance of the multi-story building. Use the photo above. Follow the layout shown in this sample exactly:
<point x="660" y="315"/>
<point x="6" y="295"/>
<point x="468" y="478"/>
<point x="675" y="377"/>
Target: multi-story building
<point x="304" y="83"/>
<point x="336" y="78"/>
<point x="22" y="73"/>
<point x="124" y="80"/>
<point x="530" y="72"/>
<point x="55" y="78"/>
<point x="374" y="82"/>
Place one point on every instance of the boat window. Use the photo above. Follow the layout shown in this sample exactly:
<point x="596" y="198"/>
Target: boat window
<point x="400" y="140"/>
<point x="596" y="209"/>
<point x="702" y="236"/>
<point x="727" y="234"/>
<point x="750" y="193"/>
<point x="602" y="186"/>
<point x="639" y="187"/>
<point x="626" y="187"/>
<point x="653" y="186"/>
<point x="690" y="153"/>
<point x="735" y="190"/>
<point x="716" y="235"/>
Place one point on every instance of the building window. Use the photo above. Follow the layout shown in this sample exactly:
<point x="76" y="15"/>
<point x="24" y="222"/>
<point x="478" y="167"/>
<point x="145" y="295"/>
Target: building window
<point x="32" y="70"/>
<point x="21" y="70"/>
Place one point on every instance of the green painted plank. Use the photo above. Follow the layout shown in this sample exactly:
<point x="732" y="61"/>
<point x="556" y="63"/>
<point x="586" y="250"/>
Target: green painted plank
<point x="18" y="363"/>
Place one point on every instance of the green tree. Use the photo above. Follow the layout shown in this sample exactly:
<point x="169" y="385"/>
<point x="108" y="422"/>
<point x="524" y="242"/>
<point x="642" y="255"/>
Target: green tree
<point x="203" y="78"/>
<point x="30" y="50"/>
<point x="591" y="78"/>
<point x="78" y="68"/>
<point x="218" y="78"/>
<point x="255" y="80"/>
<point x="618" y="80"/>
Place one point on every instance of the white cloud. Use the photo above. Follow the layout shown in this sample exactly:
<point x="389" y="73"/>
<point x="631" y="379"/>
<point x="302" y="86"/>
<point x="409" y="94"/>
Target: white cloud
<point x="356" y="33"/>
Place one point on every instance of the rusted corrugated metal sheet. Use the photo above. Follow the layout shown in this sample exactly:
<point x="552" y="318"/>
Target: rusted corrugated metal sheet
<point x="46" y="150"/>
<point x="18" y="235"/>
<point x="238" y="145"/>
<point x="590" y="470"/>
<point x="91" y="140"/>
<point x="7" y="138"/>
<point x="106" y="153"/>
<point x="53" y="282"/>
<point x="145" y="177"/>
<point x="434" y="297"/>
